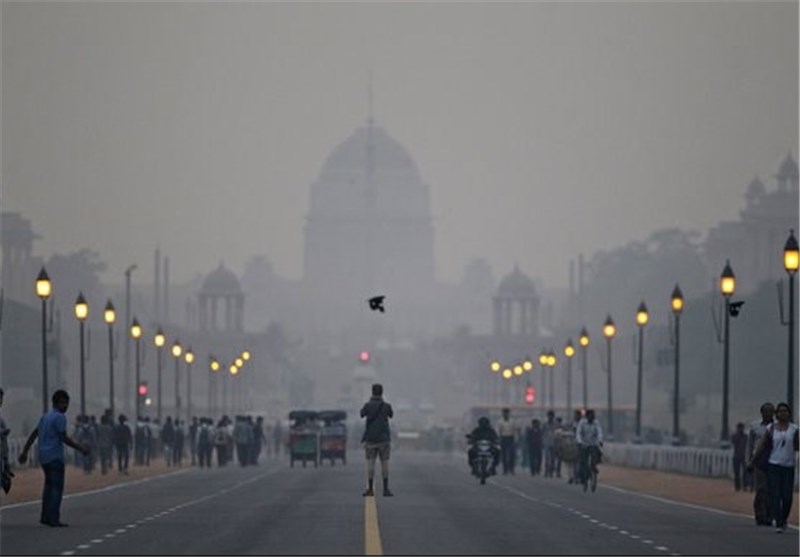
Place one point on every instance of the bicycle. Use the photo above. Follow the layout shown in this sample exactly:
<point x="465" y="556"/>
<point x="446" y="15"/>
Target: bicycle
<point x="590" y="472"/>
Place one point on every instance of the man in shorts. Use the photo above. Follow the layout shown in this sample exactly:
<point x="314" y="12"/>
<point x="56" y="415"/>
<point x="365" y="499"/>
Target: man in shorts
<point x="376" y="438"/>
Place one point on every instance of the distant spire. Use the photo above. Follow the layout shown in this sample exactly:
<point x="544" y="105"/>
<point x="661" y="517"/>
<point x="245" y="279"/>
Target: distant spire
<point x="370" y="99"/>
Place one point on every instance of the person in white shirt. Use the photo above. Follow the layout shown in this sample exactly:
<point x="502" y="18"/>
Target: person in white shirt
<point x="780" y="470"/>
<point x="589" y="436"/>
<point x="508" y="441"/>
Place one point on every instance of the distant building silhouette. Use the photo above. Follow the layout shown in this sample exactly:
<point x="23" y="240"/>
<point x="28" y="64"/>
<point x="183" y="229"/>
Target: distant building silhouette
<point x="754" y="243"/>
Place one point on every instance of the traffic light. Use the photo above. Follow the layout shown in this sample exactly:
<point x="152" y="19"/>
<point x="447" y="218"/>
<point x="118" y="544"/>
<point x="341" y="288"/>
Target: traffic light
<point x="363" y="357"/>
<point x="530" y="394"/>
<point x="142" y="391"/>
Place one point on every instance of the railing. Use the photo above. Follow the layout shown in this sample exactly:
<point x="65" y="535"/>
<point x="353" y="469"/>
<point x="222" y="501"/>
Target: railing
<point x="694" y="461"/>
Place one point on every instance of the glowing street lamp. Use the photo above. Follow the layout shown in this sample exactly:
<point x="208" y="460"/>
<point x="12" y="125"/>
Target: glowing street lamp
<point x="677" y="308"/>
<point x="727" y="286"/>
<point x="791" y="259"/>
<point x="495" y="366"/>
<point x="189" y="358"/>
<point x="642" y="317"/>
<point x="44" y="289"/>
<point x="81" y="313"/>
<point x="569" y="352"/>
<point x="609" y="331"/>
<point x="110" y="317"/>
<point x="177" y="350"/>
<point x="159" y="340"/>
<point x="551" y="363"/>
<point x="583" y="340"/>
<point x="136" y="334"/>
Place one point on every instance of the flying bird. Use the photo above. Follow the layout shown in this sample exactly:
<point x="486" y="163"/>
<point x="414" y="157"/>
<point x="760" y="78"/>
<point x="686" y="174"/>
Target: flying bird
<point x="376" y="304"/>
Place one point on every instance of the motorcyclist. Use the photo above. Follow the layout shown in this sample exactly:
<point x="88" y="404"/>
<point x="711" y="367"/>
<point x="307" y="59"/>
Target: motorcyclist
<point x="484" y="431"/>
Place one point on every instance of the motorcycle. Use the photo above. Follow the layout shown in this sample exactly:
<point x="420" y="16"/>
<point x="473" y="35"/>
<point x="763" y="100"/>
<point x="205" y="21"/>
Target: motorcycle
<point x="482" y="465"/>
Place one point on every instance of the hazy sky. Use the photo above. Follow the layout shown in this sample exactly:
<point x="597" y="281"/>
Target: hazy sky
<point x="543" y="129"/>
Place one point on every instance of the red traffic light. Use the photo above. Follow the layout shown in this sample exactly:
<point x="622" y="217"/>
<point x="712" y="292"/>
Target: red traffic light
<point x="364" y="356"/>
<point x="530" y="395"/>
<point x="142" y="389"/>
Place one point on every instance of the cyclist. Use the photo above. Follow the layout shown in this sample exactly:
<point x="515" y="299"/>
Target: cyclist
<point x="589" y="436"/>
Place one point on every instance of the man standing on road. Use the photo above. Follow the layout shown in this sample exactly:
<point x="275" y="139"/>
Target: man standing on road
<point x="52" y="434"/>
<point x="376" y="438"/>
<point x="761" y="507"/>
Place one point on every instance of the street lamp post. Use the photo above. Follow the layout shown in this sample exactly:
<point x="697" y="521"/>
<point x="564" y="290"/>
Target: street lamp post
<point x="234" y="371"/>
<point x="609" y="331"/>
<point x="584" y="342"/>
<point x="177" y="350"/>
<point x="189" y="357"/>
<point x="127" y="363"/>
<point x="44" y="288"/>
<point x="791" y="257"/>
<point x="136" y="334"/>
<point x="727" y="286"/>
<point x="159" y="340"/>
<point x="110" y="317"/>
<point x="543" y="364"/>
<point x="551" y="363"/>
<point x="214" y="366"/>
<point x="642" y="317"/>
<point x="569" y="352"/>
<point x="81" y="313"/>
<point x="677" y="308"/>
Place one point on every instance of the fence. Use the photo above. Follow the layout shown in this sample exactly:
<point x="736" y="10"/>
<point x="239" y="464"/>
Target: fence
<point x="694" y="461"/>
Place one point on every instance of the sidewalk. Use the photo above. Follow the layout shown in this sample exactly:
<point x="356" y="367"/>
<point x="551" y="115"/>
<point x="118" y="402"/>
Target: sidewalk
<point x="28" y="483"/>
<point x="708" y="492"/>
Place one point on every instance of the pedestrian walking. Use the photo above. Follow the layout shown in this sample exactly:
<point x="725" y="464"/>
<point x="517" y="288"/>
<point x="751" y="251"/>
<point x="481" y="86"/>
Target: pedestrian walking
<point x="204" y="445"/>
<point x="781" y="443"/>
<point x="533" y="437"/>
<point x="739" y="445"/>
<point x="5" y="468"/>
<point x="167" y="441"/>
<point x="221" y="442"/>
<point x="761" y="508"/>
<point x="508" y="450"/>
<point x="259" y="440"/>
<point x="105" y="442"/>
<point x="123" y="440"/>
<point x="243" y="437"/>
<point x="52" y="435"/>
<point x="193" y="429"/>
<point x="377" y="438"/>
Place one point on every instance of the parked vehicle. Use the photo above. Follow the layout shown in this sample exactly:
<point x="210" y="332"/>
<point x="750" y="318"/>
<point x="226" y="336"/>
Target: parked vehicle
<point x="303" y="437"/>
<point x="333" y="435"/>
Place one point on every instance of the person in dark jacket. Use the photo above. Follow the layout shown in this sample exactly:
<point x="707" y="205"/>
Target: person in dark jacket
<point x="376" y="438"/>
<point x="484" y="432"/>
<point x="533" y="438"/>
<point x="123" y="439"/>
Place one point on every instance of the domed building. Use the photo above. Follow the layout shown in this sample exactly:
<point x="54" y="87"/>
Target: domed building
<point x="369" y="226"/>
<point x="516" y="293"/>
<point x="221" y="287"/>
<point x="368" y="232"/>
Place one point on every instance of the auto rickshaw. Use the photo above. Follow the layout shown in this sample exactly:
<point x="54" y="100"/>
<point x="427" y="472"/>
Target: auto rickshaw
<point x="333" y="436"/>
<point x="303" y="437"/>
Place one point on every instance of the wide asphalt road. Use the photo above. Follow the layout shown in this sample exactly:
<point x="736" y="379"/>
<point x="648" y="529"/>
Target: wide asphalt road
<point x="438" y="509"/>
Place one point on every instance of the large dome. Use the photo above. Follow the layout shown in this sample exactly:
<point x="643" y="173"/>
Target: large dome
<point x="221" y="280"/>
<point x="516" y="285"/>
<point x="350" y="156"/>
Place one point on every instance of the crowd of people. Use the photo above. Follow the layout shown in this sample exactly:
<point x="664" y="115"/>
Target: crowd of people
<point x="241" y="439"/>
<point x="545" y="448"/>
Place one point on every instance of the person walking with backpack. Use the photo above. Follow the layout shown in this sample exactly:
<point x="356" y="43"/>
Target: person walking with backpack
<point x="377" y="438"/>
